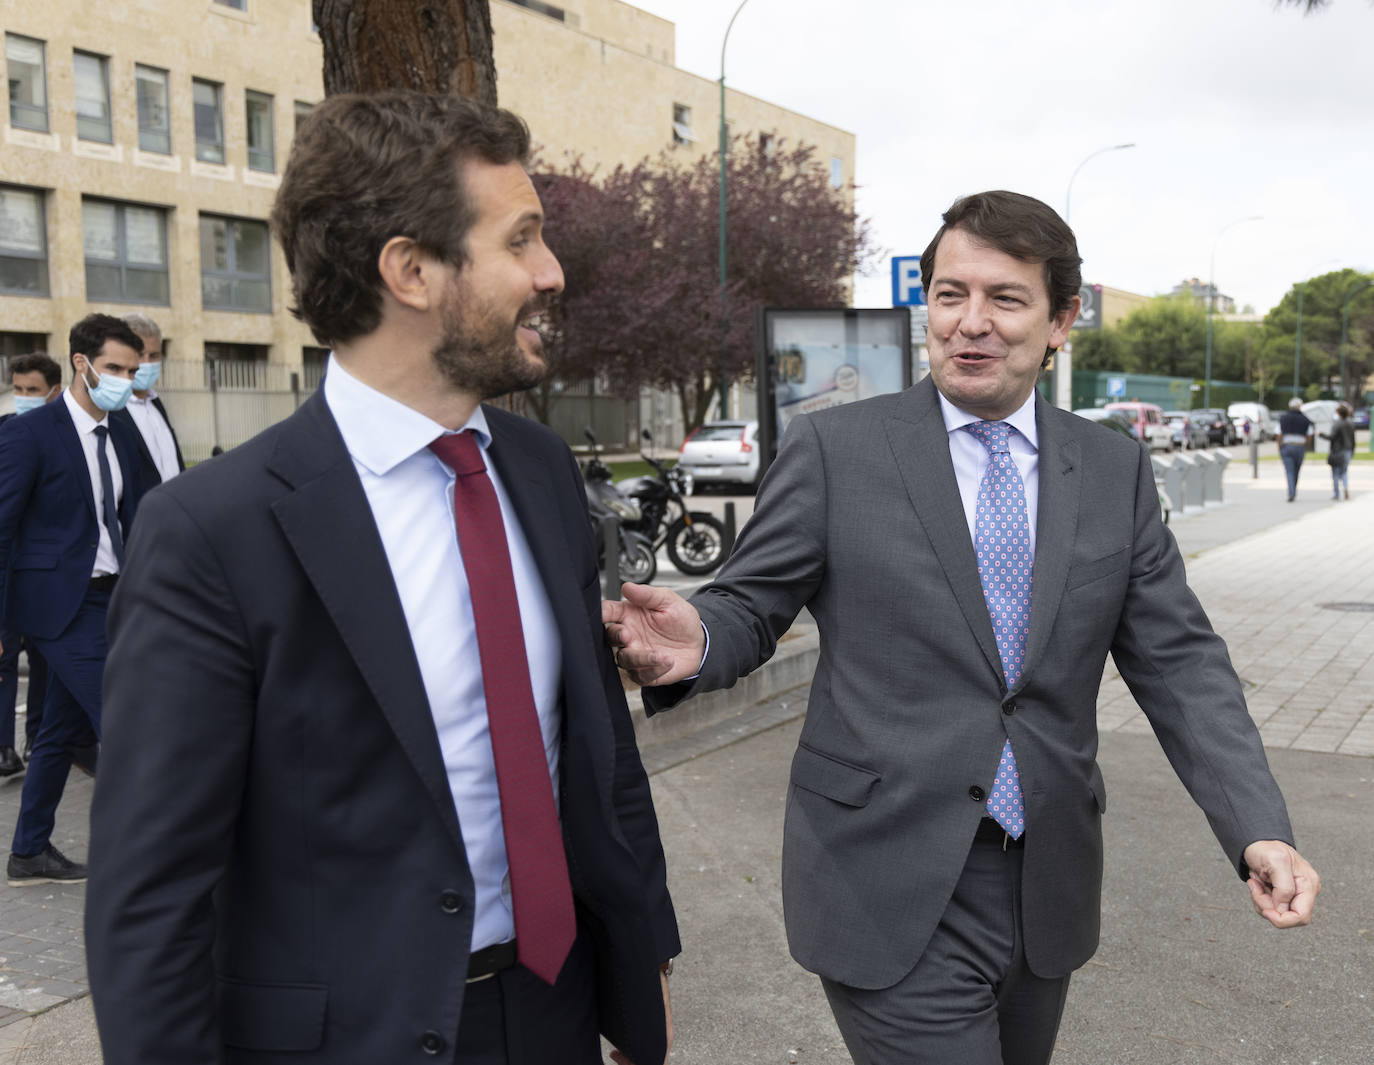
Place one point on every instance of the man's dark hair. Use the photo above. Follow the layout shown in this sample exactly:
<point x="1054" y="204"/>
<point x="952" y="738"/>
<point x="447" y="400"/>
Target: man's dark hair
<point x="367" y="168"/>
<point x="88" y="336"/>
<point x="1022" y="227"/>
<point x="37" y="362"/>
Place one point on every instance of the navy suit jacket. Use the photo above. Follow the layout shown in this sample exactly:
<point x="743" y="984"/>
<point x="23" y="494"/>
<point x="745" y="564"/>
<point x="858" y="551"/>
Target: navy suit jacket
<point x="277" y="872"/>
<point x="152" y="477"/>
<point x="49" y="528"/>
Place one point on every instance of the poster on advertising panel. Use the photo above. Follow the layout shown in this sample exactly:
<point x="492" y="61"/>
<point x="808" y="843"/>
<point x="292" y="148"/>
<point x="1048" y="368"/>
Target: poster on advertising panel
<point x="811" y="359"/>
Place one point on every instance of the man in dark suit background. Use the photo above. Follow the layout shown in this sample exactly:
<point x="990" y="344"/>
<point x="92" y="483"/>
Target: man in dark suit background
<point x="158" y="450"/>
<point x="69" y="488"/>
<point x="36" y="380"/>
<point x="971" y="556"/>
<point x="380" y="799"/>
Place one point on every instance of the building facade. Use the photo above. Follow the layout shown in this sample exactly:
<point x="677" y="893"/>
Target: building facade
<point x="142" y="144"/>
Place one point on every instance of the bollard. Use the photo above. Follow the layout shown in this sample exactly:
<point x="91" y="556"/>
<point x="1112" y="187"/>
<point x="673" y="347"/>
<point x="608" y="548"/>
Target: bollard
<point x="1170" y="478"/>
<point x="729" y="522"/>
<point x="608" y="537"/>
<point x="1254" y="456"/>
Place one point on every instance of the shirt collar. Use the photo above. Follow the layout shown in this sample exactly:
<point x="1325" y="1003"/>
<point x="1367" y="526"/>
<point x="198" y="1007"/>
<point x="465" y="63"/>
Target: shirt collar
<point x="381" y="432"/>
<point x="1022" y="419"/>
<point x="84" y="422"/>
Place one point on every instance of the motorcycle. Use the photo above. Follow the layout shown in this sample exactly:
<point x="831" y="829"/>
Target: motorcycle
<point x="695" y="540"/>
<point x="638" y="561"/>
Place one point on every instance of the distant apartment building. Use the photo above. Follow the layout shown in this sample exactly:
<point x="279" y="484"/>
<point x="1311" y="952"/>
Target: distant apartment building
<point x="1199" y="291"/>
<point x="143" y="142"/>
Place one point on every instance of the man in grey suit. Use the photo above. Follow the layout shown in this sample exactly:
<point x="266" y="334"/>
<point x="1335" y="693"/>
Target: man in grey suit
<point x="942" y="857"/>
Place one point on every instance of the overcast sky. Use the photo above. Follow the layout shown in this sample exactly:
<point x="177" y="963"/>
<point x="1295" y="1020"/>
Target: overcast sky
<point x="1236" y="108"/>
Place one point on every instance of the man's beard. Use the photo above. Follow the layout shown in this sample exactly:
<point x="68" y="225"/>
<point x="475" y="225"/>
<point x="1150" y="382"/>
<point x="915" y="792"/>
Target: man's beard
<point x="485" y="358"/>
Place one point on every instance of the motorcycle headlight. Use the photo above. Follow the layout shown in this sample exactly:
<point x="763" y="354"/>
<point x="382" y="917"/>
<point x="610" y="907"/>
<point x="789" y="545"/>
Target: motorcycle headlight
<point x="623" y="510"/>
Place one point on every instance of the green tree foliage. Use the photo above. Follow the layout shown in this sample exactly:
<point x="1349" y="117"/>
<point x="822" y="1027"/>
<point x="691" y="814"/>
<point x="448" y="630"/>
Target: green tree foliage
<point x="1322" y="298"/>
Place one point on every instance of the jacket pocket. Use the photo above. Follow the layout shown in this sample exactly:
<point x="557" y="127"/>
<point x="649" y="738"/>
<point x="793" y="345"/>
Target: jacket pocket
<point x="36" y="559"/>
<point x="1087" y="572"/>
<point x="851" y="785"/>
<point x="272" y="1016"/>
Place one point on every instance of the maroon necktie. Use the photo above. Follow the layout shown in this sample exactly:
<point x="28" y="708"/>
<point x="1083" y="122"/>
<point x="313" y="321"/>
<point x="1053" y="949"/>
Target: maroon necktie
<point x="544" y="923"/>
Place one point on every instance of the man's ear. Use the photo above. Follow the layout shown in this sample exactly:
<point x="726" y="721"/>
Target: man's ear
<point x="1062" y="322"/>
<point x="408" y="273"/>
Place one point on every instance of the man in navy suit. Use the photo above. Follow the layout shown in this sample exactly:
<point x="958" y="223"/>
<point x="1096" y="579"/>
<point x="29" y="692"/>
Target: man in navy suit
<point x="158" y="451"/>
<point x="36" y="380"/>
<point x="380" y="798"/>
<point x="69" y="486"/>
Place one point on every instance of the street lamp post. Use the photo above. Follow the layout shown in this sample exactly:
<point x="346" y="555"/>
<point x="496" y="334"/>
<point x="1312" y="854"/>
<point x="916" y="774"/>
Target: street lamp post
<point x="724" y="244"/>
<point x="1211" y="306"/>
<point x="1345" y="331"/>
<point x="1063" y="362"/>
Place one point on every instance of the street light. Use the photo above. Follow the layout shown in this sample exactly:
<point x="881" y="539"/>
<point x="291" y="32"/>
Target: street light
<point x="1211" y="306"/>
<point x="1063" y="362"/>
<point x="1345" y="329"/>
<point x="724" y="258"/>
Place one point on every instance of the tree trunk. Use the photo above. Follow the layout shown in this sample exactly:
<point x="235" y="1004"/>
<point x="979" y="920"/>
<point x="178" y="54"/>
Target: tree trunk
<point x="439" y="46"/>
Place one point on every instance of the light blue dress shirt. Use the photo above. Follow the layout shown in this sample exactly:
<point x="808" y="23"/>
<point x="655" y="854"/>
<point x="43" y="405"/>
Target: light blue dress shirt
<point x="411" y="495"/>
<point x="971" y="458"/>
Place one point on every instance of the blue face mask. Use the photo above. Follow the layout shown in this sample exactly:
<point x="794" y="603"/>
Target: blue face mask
<point x="24" y="404"/>
<point x="147" y="375"/>
<point x="109" y="393"/>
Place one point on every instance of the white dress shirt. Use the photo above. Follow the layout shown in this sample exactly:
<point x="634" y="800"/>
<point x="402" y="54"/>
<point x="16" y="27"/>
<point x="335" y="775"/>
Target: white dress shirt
<point x="971" y="458"/>
<point x="411" y="495"/>
<point x="105" y="560"/>
<point x="157" y="435"/>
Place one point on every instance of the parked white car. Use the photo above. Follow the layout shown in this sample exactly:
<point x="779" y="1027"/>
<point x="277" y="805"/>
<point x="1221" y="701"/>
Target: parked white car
<point x="725" y="452"/>
<point x="1257" y="414"/>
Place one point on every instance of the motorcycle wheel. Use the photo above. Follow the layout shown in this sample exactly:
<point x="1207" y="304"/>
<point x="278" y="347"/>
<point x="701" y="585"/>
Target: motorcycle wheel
<point x="637" y="562"/>
<point x="699" y="548"/>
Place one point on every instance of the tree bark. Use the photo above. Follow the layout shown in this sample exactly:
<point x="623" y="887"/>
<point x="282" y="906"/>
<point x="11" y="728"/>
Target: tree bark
<point x="439" y="46"/>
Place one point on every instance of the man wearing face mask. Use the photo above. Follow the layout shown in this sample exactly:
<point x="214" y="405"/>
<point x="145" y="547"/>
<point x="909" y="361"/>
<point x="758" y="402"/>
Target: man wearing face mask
<point x="69" y="487"/>
<point x="36" y="380"/>
<point x="157" y="441"/>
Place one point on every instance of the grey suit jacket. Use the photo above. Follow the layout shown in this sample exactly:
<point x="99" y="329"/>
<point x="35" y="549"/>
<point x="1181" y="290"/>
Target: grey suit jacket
<point x="860" y="521"/>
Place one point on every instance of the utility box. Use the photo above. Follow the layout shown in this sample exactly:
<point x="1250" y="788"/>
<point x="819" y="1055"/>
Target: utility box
<point x="1170" y="477"/>
<point x="1192" y="479"/>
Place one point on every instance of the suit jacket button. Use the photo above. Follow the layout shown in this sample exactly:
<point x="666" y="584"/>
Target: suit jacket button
<point x="977" y="794"/>
<point x="431" y="1042"/>
<point x="1010" y="708"/>
<point x="450" y="901"/>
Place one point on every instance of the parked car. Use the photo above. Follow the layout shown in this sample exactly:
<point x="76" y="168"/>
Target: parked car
<point x="1147" y="420"/>
<point x="724" y="452"/>
<point x="1114" y="420"/>
<point x="1361" y="417"/>
<point x="1188" y="431"/>
<point x="1220" y="429"/>
<point x="1262" y="422"/>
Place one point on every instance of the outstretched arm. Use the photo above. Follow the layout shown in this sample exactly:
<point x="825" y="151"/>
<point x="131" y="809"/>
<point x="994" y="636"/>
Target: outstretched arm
<point x="656" y="634"/>
<point x="1283" y="884"/>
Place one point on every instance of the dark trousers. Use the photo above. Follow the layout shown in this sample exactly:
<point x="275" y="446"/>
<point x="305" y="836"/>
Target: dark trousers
<point x="76" y="663"/>
<point x="38" y="693"/>
<point x="9" y="683"/>
<point x="971" y="998"/>
<point x="514" y="1018"/>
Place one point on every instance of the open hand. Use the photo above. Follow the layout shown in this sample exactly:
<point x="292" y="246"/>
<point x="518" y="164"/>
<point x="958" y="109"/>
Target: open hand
<point x="655" y="633"/>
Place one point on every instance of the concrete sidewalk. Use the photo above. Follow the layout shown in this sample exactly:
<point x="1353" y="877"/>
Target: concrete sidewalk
<point x="1185" y="972"/>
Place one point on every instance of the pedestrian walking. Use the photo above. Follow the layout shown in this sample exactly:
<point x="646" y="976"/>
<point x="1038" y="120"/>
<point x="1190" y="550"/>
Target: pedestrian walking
<point x="1295" y="433"/>
<point x="1342" y="437"/>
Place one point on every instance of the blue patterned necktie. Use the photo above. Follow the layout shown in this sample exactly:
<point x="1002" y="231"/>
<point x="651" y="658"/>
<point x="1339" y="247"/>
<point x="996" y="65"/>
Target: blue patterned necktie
<point x="1003" y="545"/>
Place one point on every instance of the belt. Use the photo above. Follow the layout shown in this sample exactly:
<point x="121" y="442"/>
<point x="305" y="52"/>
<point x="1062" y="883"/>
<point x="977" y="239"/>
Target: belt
<point x="989" y="831"/>
<point x="490" y="960"/>
<point x="103" y="583"/>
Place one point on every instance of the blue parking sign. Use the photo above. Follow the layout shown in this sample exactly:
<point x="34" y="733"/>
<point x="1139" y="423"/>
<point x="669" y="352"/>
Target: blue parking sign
<point x="906" y="281"/>
<point x="1116" y="386"/>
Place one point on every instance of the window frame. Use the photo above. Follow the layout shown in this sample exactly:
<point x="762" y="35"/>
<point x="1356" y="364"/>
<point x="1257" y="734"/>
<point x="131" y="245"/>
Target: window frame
<point x="42" y="256"/>
<point x="269" y="103"/>
<point x="201" y="153"/>
<point x="122" y="260"/>
<point x="43" y="78"/>
<point x="234" y="275"/>
<point x="103" y="62"/>
<point x="682" y="125"/>
<point x="139" y="70"/>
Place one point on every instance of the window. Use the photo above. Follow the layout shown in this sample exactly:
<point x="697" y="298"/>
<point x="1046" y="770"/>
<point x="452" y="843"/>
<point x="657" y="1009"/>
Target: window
<point x="209" y="118"/>
<point x="768" y="145"/>
<point x="92" y="97"/>
<point x="154" y="110"/>
<point x="682" y="124"/>
<point x="12" y="344"/>
<point x="234" y="264"/>
<point x="126" y="252"/>
<point x="836" y="172"/>
<point x="28" y="80"/>
<point x="237" y="5"/>
<point x="258" y="106"/>
<point x="543" y="9"/>
<point x="23" y="242"/>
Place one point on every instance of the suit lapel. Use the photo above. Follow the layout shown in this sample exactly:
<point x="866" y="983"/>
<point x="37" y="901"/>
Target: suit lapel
<point x="352" y="578"/>
<point x="1056" y="526"/>
<point x="76" y="454"/>
<point x="920" y="446"/>
<point x="176" y="445"/>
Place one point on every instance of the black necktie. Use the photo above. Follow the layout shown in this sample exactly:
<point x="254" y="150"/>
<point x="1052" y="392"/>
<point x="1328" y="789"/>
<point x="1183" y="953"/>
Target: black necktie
<point x="110" y="512"/>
